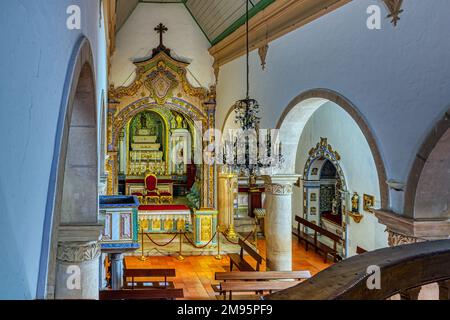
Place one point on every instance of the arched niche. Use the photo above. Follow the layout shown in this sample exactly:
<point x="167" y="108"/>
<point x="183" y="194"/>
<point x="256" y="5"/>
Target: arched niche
<point x="324" y="114"/>
<point x="71" y="229"/>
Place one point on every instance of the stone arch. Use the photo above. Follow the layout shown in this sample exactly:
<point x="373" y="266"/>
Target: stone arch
<point x="129" y="112"/>
<point x="300" y="110"/>
<point x="432" y="161"/>
<point x="72" y="204"/>
<point x="227" y="116"/>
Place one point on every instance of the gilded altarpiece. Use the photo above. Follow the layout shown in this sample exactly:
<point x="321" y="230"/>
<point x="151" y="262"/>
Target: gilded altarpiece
<point x="161" y="84"/>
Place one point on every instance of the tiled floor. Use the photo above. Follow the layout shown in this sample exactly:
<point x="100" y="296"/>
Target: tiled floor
<point x="196" y="273"/>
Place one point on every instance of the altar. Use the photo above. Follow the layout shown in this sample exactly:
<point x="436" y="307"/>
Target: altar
<point x="164" y="218"/>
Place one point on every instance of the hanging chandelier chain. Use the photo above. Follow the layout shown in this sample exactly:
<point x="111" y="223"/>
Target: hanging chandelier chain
<point x="247" y="116"/>
<point x="248" y="50"/>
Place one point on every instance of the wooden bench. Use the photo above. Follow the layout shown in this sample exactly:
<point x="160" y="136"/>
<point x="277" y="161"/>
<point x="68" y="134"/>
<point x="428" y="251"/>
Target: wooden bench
<point x="148" y="273"/>
<point x="312" y="240"/>
<point x="258" y="276"/>
<point x="259" y="287"/>
<point x="239" y="261"/>
<point x="151" y="294"/>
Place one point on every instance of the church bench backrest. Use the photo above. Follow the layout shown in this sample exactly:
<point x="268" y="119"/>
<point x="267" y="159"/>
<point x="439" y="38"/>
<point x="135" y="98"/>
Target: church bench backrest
<point x="150" y="294"/>
<point x="267" y="275"/>
<point x="319" y="230"/>
<point x="245" y="247"/>
<point x="246" y="286"/>
<point x="129" y="273"/>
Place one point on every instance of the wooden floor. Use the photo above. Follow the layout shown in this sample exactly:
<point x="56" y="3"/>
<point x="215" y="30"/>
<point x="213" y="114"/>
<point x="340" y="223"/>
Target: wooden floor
<point x="196" y="273"/>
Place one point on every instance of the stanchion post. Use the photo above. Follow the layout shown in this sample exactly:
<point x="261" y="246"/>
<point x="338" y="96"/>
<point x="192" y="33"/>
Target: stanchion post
<point x="143" y="257"/>
<point x="218" y="256"/>
<point x="180" y="256"/>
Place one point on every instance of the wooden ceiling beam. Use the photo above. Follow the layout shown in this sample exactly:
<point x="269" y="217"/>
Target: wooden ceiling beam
<point x="278" y="19"/>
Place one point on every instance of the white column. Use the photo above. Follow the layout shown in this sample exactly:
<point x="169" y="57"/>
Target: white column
<point x="116" y="271"/>
<point x="278" y="221"/>
<point x="77" y="262"/>
<point x="77" y="271"/>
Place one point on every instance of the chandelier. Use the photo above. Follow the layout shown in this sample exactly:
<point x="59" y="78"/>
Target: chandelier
<point x="252" y="151"/>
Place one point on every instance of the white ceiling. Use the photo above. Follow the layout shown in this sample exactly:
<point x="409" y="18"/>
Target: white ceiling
<point x="215" y="17"/>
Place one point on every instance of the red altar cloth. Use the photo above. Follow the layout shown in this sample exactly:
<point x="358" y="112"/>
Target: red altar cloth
<point x="163" y="207"/>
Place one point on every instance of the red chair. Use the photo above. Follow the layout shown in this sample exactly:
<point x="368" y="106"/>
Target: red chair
<point x="151" y="190"/>
<point x="165" y="197"/>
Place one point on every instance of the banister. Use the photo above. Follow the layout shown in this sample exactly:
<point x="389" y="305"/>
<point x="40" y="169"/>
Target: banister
<point x="401" y="268"/>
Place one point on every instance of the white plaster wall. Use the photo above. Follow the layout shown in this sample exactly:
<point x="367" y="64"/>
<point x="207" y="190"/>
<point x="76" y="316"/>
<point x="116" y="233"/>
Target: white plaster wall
<point x="332" y="122"/>
<point x="398" y="78"/>
<point x="137" y="38"/>
<point x="36" y="49"/>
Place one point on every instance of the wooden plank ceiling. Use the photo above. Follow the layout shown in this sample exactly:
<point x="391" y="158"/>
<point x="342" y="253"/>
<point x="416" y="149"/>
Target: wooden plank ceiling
<point x="216" y="18"/>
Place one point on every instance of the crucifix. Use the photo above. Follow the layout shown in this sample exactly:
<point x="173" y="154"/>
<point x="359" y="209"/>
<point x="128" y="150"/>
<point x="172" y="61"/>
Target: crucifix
<point x="161" y="29"/>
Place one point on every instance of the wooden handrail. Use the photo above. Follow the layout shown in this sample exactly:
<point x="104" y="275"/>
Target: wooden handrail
<point x="402" y="268"/>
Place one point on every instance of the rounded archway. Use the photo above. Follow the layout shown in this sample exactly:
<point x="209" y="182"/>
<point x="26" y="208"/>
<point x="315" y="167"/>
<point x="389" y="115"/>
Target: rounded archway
<point x="300" y="110"/>
<point x="428" y="188"/>
<point x="71" y="230"/>
<point x="320" y="126"/>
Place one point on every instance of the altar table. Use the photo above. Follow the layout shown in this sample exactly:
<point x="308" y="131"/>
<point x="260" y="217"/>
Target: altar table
<point x="164" y="218"/>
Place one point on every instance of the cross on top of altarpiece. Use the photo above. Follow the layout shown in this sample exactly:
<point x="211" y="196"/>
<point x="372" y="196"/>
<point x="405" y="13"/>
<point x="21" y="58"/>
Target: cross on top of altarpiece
<point x="161" y="29"/>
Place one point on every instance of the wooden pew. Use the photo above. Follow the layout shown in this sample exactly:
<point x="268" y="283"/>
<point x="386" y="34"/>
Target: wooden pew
<point x="239" y="261"/>
<point x="151" y="294"/>
<point x="148" y="273"/>
<point x="314" y="242"/>
<point x="258" y="276"/>
<point x="255" y="286"/>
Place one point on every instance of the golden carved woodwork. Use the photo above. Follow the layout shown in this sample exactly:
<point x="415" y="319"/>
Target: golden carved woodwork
<point x="181" y="224"/>
<point x="262" y="51"/>
<point x="324" y="144"/>
<point x="168" y="224"/>
<point x="160" y="82"/>
<point x="368" y="202"/>
<point x="156" y="224"/>
<point x="161" y="64"/>
<point x="206" y="225"/>
<point x="357" y="217"/>
<point x="143" y="224"/>
<point x="109" y="183"/>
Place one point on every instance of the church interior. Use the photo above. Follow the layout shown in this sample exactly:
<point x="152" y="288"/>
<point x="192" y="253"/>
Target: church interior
<point x="225" y="150"/>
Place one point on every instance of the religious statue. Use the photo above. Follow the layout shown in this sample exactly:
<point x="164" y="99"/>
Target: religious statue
<point x="173" y="123"/>
<point x="143" y="121"/>
<point x="179" y="122"/>
<point x="334" y="206"/>
<point x="355" y="202"/>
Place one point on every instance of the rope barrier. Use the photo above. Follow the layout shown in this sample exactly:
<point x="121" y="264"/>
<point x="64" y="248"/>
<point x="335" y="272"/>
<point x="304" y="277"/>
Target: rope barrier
<point x="161" y="245"/>
<point x="201" y="247"/>
<point x="236" y="243"/>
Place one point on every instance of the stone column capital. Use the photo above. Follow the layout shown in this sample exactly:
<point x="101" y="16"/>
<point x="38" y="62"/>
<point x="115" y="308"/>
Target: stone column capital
<point x="76" y="252"/>
<point x="398" y="239"/>
<point x="402" y="230"/>
<point x="280" y="184"/>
